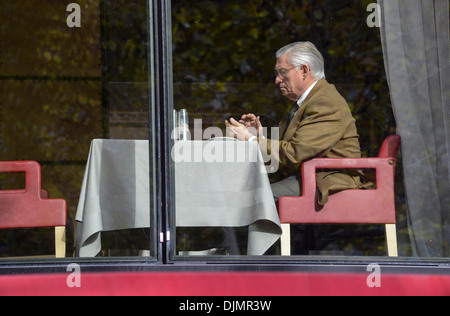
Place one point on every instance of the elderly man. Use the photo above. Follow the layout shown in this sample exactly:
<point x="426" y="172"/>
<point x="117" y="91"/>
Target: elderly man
<point x="319" y="124"/>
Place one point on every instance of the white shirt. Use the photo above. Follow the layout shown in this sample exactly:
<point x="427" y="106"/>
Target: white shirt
<point x="305" y="95"/>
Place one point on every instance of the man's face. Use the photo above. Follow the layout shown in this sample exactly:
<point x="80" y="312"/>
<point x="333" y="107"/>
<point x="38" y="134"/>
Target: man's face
<point x="289" y="80"/>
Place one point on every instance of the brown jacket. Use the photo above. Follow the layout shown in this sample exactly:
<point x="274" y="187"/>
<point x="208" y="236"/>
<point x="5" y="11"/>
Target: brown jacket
<point x="322" y="127"/>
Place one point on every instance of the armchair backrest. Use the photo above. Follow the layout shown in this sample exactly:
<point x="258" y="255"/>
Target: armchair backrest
<point x="28" y="208"/>
<point x="389" y="148"/>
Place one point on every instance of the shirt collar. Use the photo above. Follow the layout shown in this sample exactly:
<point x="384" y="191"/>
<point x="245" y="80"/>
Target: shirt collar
<point x="305" y="95"/>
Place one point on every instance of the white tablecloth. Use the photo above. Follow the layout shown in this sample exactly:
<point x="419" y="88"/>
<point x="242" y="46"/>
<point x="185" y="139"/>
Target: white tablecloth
<point x="218" y="183"/>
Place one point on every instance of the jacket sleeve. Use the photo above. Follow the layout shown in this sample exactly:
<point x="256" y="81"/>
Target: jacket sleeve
<point x="313" y="135"/>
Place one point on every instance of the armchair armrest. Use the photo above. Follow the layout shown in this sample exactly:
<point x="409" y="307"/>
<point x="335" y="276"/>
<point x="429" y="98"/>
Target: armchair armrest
<point x="30" y="207"/>
<point x="384" y="167"/>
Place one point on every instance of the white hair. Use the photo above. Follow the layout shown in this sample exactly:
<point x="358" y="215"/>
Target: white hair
<point x="301" y="53"/>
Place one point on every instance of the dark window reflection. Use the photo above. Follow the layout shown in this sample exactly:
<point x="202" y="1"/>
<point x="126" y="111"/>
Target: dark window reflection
<point x="62" y="87"/>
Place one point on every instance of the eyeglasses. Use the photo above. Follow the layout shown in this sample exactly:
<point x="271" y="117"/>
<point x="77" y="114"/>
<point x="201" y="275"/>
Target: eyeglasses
<point x="283" y="72"/>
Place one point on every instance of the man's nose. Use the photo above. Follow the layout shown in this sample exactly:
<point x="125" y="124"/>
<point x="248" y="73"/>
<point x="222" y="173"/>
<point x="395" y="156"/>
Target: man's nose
<point x="278" y="80"/>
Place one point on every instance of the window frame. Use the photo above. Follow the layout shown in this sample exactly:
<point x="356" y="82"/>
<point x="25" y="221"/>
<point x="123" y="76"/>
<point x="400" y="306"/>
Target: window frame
<point x="281" y="260"/>
<point x="29" y="265"/>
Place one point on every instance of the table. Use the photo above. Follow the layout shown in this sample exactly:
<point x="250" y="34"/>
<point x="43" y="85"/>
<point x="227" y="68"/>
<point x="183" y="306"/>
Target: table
<point x="218" y="183"/>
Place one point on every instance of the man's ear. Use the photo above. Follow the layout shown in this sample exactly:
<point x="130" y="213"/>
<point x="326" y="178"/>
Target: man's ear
<point x="304" y="69"/>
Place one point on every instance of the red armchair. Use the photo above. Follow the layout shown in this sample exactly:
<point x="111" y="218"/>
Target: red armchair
<point x="375" y="206"/>
<point x="30" y="207"/>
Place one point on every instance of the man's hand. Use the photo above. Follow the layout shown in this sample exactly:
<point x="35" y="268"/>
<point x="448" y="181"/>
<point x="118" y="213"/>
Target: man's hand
<point x="252" y="123"/>
<point x="237" y="130"/>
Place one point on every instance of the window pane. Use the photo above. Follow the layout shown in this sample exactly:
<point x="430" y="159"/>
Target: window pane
<point x="223" y="67"/>
<point x="72" y="74"/>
